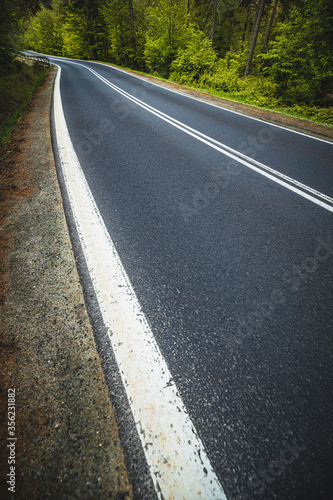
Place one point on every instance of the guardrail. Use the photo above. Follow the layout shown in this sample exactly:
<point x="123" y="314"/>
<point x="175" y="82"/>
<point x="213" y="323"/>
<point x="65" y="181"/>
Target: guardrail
<point x="41" y="59"/>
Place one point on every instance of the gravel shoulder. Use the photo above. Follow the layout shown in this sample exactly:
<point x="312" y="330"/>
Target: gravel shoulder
<point x="304" y="126"/>
<point x="67" y="438"/>
<point x="67" y="444"/>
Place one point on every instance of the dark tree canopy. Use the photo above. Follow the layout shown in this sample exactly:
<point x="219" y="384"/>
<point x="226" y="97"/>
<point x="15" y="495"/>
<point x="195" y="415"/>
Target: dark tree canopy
<point x="283" y="47"/>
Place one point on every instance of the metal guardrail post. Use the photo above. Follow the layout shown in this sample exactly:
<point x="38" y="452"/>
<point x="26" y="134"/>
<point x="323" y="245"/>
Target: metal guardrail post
<point x="42" y="59"/>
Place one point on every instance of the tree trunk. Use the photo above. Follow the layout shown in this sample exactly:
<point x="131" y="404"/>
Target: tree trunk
<point x="255" y="32"/>
<point x="188" y="13"/>
<point x="133" y="33"/>
<point x="246" y="23"/>
<point x="269" y="29"/>
<point x="212" y="31"/>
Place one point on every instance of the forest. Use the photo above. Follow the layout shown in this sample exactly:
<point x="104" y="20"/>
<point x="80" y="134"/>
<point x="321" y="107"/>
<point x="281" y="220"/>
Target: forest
<point x="277" y="54"/>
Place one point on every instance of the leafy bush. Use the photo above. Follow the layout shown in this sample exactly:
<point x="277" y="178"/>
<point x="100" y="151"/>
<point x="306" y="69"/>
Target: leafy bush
<point x="319" y="115"/>
<point x="260" y="91"/>
<point x="222" y="78"/>
<point x="300" y="59"/>
<point x="225" y="77"/>
<point x="158" y="55"/>
<point x="196" y="58"/>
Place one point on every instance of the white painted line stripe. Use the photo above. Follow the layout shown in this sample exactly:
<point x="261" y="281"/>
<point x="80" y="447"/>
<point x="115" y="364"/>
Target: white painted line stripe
<point x="179" y="465"/>
<point x="184" y="94"/>
<point x="282" y="179"/>
<point x="209" y="139"/>
<point x="215" y="105"/>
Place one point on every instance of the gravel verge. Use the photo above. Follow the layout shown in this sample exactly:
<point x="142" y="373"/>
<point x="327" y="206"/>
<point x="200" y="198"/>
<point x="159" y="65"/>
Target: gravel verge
<point x="67" y="438"/>
<point x="303" y="126"/>
<point x="68" y="443"/>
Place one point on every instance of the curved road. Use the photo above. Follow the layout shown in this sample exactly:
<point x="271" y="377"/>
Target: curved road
<point x="223" y="226"/>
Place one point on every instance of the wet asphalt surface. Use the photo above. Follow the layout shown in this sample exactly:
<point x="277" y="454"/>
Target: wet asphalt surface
<point x="233" y="272"/>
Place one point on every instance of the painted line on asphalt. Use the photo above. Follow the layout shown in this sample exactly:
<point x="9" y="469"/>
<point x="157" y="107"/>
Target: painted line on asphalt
<point x="184" y="94"/>
<point x="287" y="182"/>
<point x="179" y="465"/>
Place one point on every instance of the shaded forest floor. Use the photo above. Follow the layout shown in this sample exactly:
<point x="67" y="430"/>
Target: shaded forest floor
<point x="17" y="87"/>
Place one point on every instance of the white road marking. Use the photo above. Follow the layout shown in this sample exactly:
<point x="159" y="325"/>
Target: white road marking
<point x="184" y="94"/>
<point x="179" y="465"/>
<point x="287" y="182"/>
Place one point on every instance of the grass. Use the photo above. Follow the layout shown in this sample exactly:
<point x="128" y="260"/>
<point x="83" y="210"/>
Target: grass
<point x="318" y="115"/>
<point x="313" y="114"/>
<point x="17" y="86"/>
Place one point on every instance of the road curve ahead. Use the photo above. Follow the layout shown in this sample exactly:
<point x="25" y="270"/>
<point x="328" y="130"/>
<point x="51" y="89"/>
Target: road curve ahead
<point x="209" y="242"/>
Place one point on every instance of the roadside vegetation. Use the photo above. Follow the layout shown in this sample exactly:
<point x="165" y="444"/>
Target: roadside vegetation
<point x="18" y="81"/>
<point x="17" y="86"/>
<point x="275" y="54"/>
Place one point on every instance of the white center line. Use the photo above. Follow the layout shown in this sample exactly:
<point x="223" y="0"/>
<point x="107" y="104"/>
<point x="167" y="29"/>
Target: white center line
<point x="179" y="465"/>
<point x="287" y="182"/>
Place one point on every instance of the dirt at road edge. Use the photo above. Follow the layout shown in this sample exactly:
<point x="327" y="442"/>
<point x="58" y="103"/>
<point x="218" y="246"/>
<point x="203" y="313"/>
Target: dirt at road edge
<point x="67" y="439"/>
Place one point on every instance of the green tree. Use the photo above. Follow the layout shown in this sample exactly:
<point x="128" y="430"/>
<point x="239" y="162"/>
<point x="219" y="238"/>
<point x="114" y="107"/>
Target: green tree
<point x="70" y="28"/>
<point x="44" y="32"/>
<point x="73" y="30"/>
<point x="93" y="33"/>
<point x="125" y="22"/>
<point x="300" y="58"/>
<point x="168" y="21"/>
<point x="194" y="60"/>
<point x="12" y="12"/>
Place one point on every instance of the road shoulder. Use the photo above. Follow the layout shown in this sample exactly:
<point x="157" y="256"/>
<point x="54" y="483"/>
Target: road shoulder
<point x="270" y="116"/>
<point x="67" y="439"/>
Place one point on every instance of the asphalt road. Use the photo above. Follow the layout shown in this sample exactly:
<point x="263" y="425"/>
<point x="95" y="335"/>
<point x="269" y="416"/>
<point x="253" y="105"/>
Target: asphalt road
<point x="231" y="263"/>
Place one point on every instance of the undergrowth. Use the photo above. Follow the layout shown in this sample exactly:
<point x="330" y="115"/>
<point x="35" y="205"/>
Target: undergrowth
<point x="17" y="86"/>
<point x="256" y="91"/>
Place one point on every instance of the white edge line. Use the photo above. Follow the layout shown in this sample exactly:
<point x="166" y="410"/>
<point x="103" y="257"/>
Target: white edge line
<point x="142" y="78"/>
<point x="175" y="454"/>
<point x="274" y="175"/>
<point x="208" y="140"/>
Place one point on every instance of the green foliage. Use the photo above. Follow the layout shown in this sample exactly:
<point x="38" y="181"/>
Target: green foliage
<point x="75" y="43"/>
<point x="116" y="14"/>
<point x="167" y="22"/>
<point x="158" y="56"/>
<point x="11" y="13"/>
<point x="90" y="36"/>
<point x="300" y="59"/>
<point x="314" y="113"/>
<point x="195" y="59"/>
<point x="16" y="88"/>
<point x="230" y="26"/>
<point x="225" y="76"/>
<point x="44" y="32"/>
